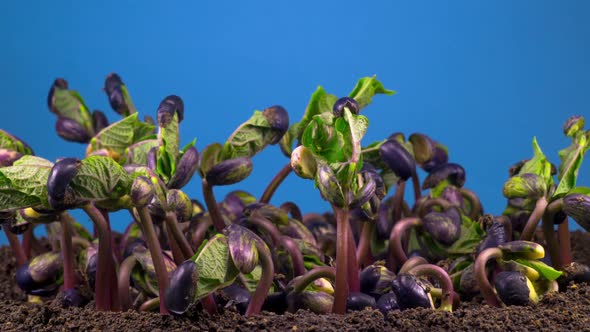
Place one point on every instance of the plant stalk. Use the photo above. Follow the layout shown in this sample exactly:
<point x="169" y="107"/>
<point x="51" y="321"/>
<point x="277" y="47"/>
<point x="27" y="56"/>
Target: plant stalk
<point x="397" y="255"/>
<point x="124" y="277"/>
<point x="565" y="246"/>
<point x="548" y="226"/>
<point x="302" y="282"/>
<point x="17" y="250"/>
<point x="177" y="236"/>
<point x="531" y="225"/>
<point x="481" y="276"/>
<point x="363" y="251"/>
<point x="416" y="185"/>
<point x="156" y="253"/>
<point x="105" y="264"/>
<point x="211" y="203"/>
<point x="67" y="251"/>
<point x="431" y="270"/>
<point x="28" y="241"/>
<point x="475" y="209"/>
<point x="342" y="238"/>
<point x="354" y="283"/>
<point x="275" y="183"/>
<point x="412" y="263"/>
<point x="265" y="282"/>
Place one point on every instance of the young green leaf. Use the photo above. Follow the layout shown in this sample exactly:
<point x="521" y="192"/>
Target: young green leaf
<point x="169" y="141"/>
<point x="545" y="270"/>
<point x="10" y="142"/>
<point x="571" y="160"/>
<point x="69" y="104"/>
<point x="366" y="88"/>
<point x="137" y="153"/>
<point x="538" y="164"/>
<point x="117" y="137"/>
<point x="100" y="178"/>
<point x="24" y="183"/>
<point x="320" y="102"/>
<point x="215" y="266"/>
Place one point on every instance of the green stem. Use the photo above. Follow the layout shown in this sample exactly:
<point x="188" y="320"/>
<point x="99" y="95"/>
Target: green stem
<point x="275" y="183"/>
<point x="105" y="266"/>
<point x="124" y="277"/>
<point x="531" y="225"/>
<point x="481" y="276"/>
<point x="67" y="250"/>
<point x="156" y="253"/>
<point x="342" y="238"/>
<point x="397" y="255"/>
<point x="431" y="270"/>
<point x="265" y="282"/>
<point x="17" y="250"/>
<point x="177" y="236"/>
<point x="301" y="283"/>
<point x="211" y="203"/>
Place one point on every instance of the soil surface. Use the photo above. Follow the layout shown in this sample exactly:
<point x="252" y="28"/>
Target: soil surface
<point x="567" y="311"/>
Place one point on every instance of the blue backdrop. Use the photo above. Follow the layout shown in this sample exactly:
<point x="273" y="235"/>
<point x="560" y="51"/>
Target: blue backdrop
<point x="482" y="77"/>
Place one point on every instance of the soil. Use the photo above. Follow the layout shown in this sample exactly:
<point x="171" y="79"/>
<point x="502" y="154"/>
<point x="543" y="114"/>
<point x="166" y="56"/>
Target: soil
<point x="566" y="311"/>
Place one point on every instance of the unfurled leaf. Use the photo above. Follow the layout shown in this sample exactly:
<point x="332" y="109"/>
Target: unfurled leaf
<point x="69" y="104"/>
<point x="210" y="156"/>
<point x="538" y="165"/>
<point x="320" y="102"/>
<point x="117" y="137"/>
<point x="24" y="184"/>
<point x="215" y="266"/>
<point x="545" y="270"/>
<point x="100" y="178"/>
<point x="10" y="142"/>
<point x="366" y="88"/>
<point x="137" y="153"/>
<point x="571" y="160"/>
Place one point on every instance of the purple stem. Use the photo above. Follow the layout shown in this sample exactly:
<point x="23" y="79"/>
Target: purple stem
<point x="211" y="203"/>
<point x="275" y="183"/>
<point x="481" y="276"/>
<point x="265" y="282"/>
<point x="67" y="250"/>
<point x="397" y="256"/>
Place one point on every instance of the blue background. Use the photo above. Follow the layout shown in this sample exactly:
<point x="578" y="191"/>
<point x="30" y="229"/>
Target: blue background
<point x="482" y="77"/>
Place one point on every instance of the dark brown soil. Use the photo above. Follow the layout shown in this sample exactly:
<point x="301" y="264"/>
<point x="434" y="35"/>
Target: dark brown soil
<point x="568" y="311"/>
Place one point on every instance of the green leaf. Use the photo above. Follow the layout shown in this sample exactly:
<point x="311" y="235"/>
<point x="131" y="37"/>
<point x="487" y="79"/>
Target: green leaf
<point x="137" y="153"/>
<point x="69" y="104"/>
<point x="120" y="135"/>
<point x="580" y="190"/>
<point x="169" y="140"/>
<point x="366" y="88"/>
<point x="545" y="270"/>
<point x="24" y="184"/>
<point x="100" y="178"/>
<point x="538" y="164"/>
<point x="249" y="138"/>
<point x="250" y="280"/>
<point x="286" y="143"/>
<point x="9" y="142"/>
<point x="320" y="102"/>
<point x="324" y="140"/>
<point x="210" y="157"/>
<point x="571" y="160"/>
<point x="216" y="269"/>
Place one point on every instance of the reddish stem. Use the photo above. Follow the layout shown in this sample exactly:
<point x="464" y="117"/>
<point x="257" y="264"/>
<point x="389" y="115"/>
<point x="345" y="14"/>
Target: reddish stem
<point x="265" y="282"/>
<point x="354" y="284"/>
<point x="416" y="185"/>
<point x="212" y="207"/>
<point x="531" y="225"/>
<point x="363" y="251"/>
<point x="124" y="278"/>
<point x="17" y="250"/>
<point x="28" y="241"/>
<point x="565" y="247"/>
<point x="481" y="276"/>
<point x="67" y="251"/>
<point x="397" y="256"/>
<point x="342" y="238"/>
<point x="275" y="183"/>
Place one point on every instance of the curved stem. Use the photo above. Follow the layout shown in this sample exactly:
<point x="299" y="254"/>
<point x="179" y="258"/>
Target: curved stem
<point x="156" y="253"/>
<point x="363" y="251"/>
<point x="17" y="250"/>
<point x="177" y="236"/>
<point x="151" y="304"/>
<point x="105" y="266"/>
<point x="177" y="255"/>
<point x="278" y="239"/>
<point x="293" y="209"/>
<point x="80" y="242"/>
<point x="124" y="277"/>
<point x="549" y="232"/>
<point x="397" y="255"/>
<point x="475" y="209"/>
<point x="437" y="292"/>
<point x="398" y="199"/>
<point x="211" y="203"/>
<point x="301" y="283"/>
<point x="533" y="221"/>
<point x="425" y="207"/>
<point x="481" y="276"/>
<point x="265" y="282"/>
<point x="431" y="270"/>
<point x="67" y="250"/>
<point x="412" y="263"/>
<point x="275" y="183"/>
<point x="342" y="238"/>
